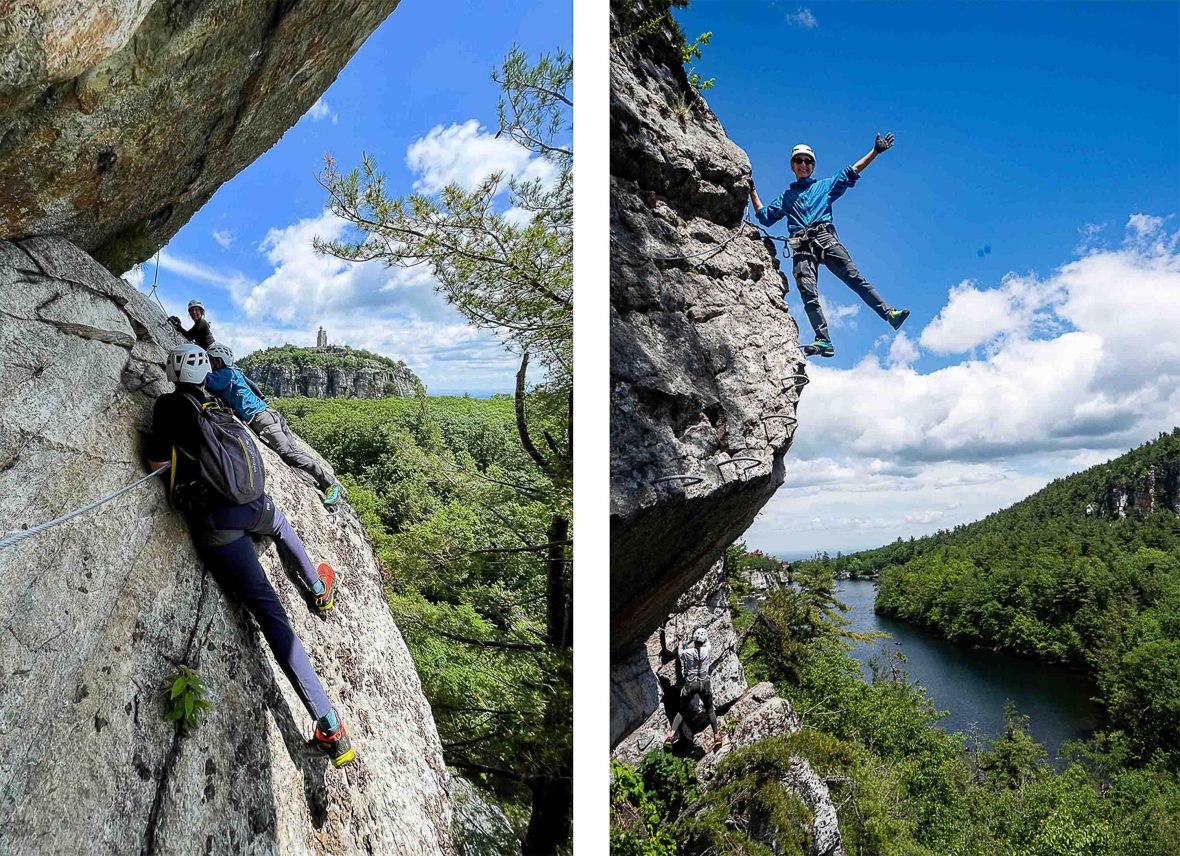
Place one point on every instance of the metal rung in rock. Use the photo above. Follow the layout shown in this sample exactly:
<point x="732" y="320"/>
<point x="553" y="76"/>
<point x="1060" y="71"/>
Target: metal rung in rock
<point x="689" y="480"/>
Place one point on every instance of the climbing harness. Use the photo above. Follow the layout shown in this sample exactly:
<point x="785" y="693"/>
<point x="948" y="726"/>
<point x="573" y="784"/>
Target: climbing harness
<point x="814" y="241"/>
<point x="16" y="537"/>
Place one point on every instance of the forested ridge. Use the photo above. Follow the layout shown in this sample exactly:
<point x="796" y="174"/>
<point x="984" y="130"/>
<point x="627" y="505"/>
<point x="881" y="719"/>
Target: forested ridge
<point x="459" y="515"/>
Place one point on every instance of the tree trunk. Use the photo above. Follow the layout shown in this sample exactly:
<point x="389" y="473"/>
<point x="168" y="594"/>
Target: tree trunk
<point x="557" y="592"/>
<point x="552" y="820"/>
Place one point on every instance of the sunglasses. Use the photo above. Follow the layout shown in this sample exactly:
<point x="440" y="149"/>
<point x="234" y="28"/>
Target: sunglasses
<point x="802" y="160"/>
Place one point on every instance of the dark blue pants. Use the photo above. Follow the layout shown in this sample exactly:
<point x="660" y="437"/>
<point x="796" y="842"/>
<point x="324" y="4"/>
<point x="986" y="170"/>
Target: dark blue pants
<point x="836" y="259"/>
<point x="228" y="551"/>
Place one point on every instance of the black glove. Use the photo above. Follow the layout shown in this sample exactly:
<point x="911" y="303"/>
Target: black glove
<point x="882" y="144"/>
<point x="174" y="321"/>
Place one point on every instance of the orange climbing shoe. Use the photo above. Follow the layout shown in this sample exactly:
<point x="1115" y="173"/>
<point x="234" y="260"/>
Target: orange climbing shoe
<point x="336" y="744"/>
<point x="325" y="601"/>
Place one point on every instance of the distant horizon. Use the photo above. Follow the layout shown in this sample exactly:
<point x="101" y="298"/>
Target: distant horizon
<point x="800" y="555"/>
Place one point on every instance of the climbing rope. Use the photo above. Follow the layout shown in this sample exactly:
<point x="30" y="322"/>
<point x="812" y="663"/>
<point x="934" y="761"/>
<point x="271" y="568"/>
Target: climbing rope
<point x="16" y="537"/>
<point x="155" y="282"/>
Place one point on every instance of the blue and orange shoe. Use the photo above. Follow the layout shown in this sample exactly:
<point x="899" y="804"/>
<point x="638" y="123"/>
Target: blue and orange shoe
<point x="820" y="348"/>
<point x="336" y="744"/>
<point x="324" y="602"/>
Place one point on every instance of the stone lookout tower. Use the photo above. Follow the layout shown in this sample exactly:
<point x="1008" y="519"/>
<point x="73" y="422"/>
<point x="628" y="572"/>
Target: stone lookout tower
<point x="321" y="339"/>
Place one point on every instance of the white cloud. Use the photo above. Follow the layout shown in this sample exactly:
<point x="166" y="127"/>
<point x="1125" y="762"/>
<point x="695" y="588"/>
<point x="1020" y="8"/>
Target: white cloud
<point x="134" y="276"/>
<point x="1079" y="365"/>
<point x="224" y="237"/>
<point x="466" y="154"/>
<point x="322" y="110"/>
<point x="839" y="315"/>
<point x="390" y="310"/>
<point x="803" y="18"/>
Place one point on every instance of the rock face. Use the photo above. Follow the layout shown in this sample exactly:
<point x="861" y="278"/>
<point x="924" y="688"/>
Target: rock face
<point x="706" y="369"/>
<point x="111" y="601"/>
<point x="120" y="118"/>
<point x="481" y="828"/>
<point x="316" y="381"/>
<point x="1159" y="488"/>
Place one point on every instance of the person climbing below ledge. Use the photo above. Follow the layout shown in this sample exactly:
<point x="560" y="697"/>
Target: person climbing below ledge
<point x="807" y="205"/>
<point x="694" y="660"/>
<point x="217" y="479"/>
<point x="240" y="393"/>
<point x="199" y="332"/>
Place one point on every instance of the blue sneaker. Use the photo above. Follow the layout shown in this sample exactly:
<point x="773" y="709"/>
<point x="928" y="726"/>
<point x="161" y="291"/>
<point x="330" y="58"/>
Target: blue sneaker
<point x="820" y="348"/>
<point x="332" y="495"/>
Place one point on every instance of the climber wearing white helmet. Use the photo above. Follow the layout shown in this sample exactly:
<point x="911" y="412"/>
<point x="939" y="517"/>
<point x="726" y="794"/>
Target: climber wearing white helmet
<point x="694" y="661"/>
<point x="807" y="205"/>
<point x="215" y="469"/>
<point x="199" y="332"/>
<point x="248" y="403"/>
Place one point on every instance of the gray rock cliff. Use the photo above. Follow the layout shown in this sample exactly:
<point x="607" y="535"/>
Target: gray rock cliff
<point x="101" y="608"/>
<point x="120" y="118"/>
<point x="706" y="369"/>
<point x="373" y="379"/>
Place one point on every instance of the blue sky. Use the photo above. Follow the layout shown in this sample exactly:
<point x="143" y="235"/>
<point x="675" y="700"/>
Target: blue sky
<point x="1027" y="217"/>
<point x="419" y="90"/>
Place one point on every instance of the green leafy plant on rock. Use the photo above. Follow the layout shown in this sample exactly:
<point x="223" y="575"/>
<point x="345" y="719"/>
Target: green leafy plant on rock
<point x="184" y="691"/>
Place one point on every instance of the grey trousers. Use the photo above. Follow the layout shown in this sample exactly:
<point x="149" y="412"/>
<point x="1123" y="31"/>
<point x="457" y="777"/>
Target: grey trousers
<point x="837" y="260"/>
<point x="705" y="690"/>
<point x="272" y="429"/>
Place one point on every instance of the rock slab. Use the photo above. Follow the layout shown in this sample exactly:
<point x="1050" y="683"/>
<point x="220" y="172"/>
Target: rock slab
<point x="110" y="602"/>
<point x="120" y="118"/>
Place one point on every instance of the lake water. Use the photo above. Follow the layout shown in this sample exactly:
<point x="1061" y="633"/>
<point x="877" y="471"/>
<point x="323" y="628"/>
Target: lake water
<point x="972" y="685"/>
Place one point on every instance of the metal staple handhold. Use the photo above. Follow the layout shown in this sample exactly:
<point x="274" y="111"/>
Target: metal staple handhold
<point x="752" y="462"/>
<point x="800" y="379"/>
<point x="691" y="480"/>
<point x="793" y="420"/>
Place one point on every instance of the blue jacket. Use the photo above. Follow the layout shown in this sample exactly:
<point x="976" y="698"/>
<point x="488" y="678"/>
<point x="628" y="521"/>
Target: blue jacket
<point x="235" y="391"/>
<point x="808" y="201"/>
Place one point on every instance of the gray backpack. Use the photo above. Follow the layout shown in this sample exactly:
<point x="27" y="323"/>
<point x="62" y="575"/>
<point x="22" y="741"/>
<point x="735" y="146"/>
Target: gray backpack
<point x="229" y="462"/>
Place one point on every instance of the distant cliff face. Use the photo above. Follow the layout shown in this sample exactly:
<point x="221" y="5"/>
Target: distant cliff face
<point x="706" y="369"/>
<point x="1159" y="489"/>
<point x="329" y="373"/>
<point x="120" y="118"/>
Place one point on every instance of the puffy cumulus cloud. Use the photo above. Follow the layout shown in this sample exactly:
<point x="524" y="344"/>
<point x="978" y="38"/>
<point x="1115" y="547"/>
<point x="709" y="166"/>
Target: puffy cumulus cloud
<point x="389" y="310"/>
<point x="839" y="315"/>
<point x="803" y="18"/>
<point x="1085" y="365"/>
<point x="466" y="154"/>
<point x="322" y="110"/>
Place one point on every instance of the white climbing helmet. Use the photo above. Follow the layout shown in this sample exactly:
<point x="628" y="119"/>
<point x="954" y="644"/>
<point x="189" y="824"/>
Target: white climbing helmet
<point x="699" y="635"/>
<point x="222" y="352"/>
<point x="187" y="364"/>
<point x="800" y="149"/>
<point x="198" y="304"/>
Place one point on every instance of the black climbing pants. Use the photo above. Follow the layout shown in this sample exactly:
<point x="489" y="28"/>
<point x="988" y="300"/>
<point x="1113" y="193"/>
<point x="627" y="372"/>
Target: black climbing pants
<point x="223" y="537"/>
<point x="704" y="689"/>
<point x="272" y="429"/>
<point x="805" y="265"/>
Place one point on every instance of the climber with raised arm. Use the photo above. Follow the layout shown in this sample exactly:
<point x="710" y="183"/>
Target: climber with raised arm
<point x="199" y="332"/>
<point x="807" y="205"/>
<point x="218" y="480"/>
<point x="239" y="392"/>
<point x="694" y="661"/>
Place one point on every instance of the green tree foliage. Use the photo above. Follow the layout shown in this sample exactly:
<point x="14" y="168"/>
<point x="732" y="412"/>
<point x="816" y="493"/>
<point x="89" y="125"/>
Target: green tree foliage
<point x="502" y="254"/>
<point x="459" y="514"/>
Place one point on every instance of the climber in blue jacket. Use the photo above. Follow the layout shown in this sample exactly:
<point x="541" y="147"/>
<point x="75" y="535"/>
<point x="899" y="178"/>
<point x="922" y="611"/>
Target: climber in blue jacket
<point x="240" y="393"/>
<point x="807" y="205"/>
